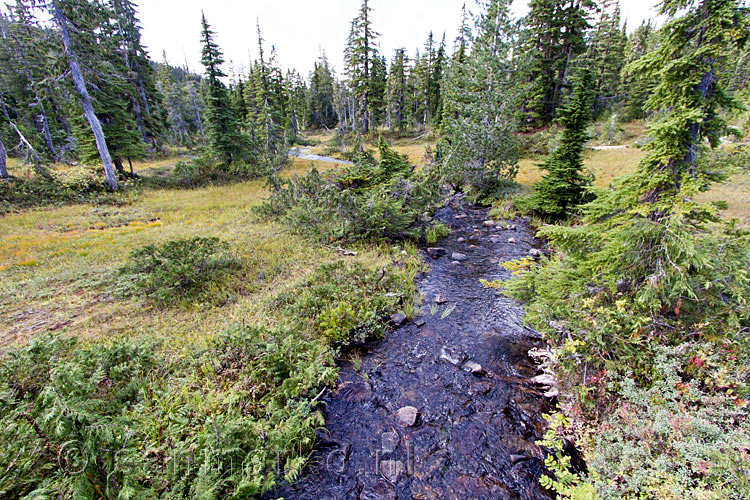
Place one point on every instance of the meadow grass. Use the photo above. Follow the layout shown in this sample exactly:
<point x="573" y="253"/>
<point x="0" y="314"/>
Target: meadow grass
<point x="57" y="264"/>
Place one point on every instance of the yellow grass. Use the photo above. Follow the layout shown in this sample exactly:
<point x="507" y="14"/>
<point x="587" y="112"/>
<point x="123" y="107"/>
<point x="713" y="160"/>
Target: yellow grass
<point x="57" y="264"/>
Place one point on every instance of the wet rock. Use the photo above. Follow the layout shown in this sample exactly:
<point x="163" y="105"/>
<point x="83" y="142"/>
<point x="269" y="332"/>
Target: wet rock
<point x="489" y="223"/>
<point x="535" y="253"/>
<point x="458" y="256"/>
<point x="392" y="470"/>
<point x="380" y="491"/>
<point x="475" y="238"/>
<point x="420" y="323"/>
<point x="514" y="459"/>
<point x="451" y="356"/>
<point x="389" y="441"/>
<point x="512" y="227"/>
<point x="496" y="239"/>
<point x="480" y="388"/>
<point x="511" y="240"/>
<point x="455" y="263"/>
<point x="474" y="368"/>
<point x="407" y="416"/>
<point x="439" y="300"/>
<point x="461" y="239"/>
<point x="398" y="319"/>
<point x="437" y="252"/>
<point x="355" y="392"/>
<point x="461" y="216"/>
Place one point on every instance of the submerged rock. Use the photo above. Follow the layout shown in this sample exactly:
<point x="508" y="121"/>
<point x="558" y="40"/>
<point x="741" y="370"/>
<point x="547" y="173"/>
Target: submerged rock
<point x="437" y="252"/>
<point x="458" y="256"/>
<point x="407" y="416"/>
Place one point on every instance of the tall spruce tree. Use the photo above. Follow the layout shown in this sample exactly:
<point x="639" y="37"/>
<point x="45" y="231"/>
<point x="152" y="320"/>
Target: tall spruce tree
<point x="478" y="151"/>
<point x="224" y="139"/>
<point x="607" y="55"/>
<point x="649" y="264"/>
<point x="77" y="46"/>
<point x="636" y="87"/>
<point x="398" y="91"/>
<point x="565" y="185"/>
<point x="359" y="56"/>
<point x="555" y="38"/>
<point x="320" y="95"/>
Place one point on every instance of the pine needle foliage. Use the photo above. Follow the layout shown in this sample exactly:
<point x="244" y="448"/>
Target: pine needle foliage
<point x="648" y="265"/>
<point x="565" y="186"/>
<point x="370" y="200"/>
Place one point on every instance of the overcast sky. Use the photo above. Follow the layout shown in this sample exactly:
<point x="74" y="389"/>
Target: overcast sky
<point x="299" y="29"/>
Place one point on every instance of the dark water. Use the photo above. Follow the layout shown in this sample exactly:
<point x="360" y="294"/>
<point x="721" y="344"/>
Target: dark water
<point x="474" y="437"/>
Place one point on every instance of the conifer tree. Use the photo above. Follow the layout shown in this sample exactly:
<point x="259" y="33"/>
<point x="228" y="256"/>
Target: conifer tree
<point x="321" y="92"/>
<point x="478" y="151"/>
<point x="565" y="185"/>
<point x="3" y="160"/>
<point x="223" y="130"/>
<point x="359" y="55"/>
<point x="607" y="54"/>
<point x="645" y="267"/>
<point x="398" y="91"/>
<point x="555" y="38"/>
<point x="636" y="87"/>
<point x="378" y="86"/>
<point x="61" y="12"/>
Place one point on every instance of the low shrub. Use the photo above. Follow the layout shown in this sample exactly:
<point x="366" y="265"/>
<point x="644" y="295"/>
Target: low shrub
<point x="367" y="201"/>
<point x="345" y="303"/>
<point x="180" y="272"/>
<point x="130" y="420"/>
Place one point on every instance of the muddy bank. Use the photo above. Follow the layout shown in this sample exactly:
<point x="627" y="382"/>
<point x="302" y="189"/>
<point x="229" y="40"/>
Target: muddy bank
<point x="462" y="364"/>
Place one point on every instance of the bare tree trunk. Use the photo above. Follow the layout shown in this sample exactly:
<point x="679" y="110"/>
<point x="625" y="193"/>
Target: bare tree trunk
<point x="3" y="161"/>
<point x="86" y="101"/>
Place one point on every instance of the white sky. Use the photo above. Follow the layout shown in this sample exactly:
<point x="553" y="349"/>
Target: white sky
<point x="299" y="29"/>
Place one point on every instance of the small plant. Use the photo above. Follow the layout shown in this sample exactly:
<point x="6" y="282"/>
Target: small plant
<point x="436" y="232"/>
<point x="181" y="271"/>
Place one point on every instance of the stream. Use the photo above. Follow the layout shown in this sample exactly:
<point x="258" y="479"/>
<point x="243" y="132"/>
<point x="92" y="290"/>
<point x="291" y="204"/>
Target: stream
<point x="443" y="407"/>
<point x="305" y="154"/>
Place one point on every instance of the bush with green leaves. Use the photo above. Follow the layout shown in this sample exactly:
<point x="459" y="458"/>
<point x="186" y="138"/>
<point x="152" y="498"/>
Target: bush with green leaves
<point x="368" y="201"/>
<point x="186" y="271"/>
<point x="345" y="303"/>
<point x="130" y="419"/>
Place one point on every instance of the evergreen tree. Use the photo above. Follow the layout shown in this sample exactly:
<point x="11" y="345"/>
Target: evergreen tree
<point x="645" y="268"/>
<point x="224" y="139"/>
<point x="565" y="185"/>
<point x="607" y="54"/>
<point x="378" y="86"/>
<point x="636" y="87"/>
<point x="359" y="56"/>
<point x="478" y="151"/>
<point x="398" y="91"/>
<point x="555" y="38"/>
<point x="78" y="45"/>
<point x="320" y="97"/>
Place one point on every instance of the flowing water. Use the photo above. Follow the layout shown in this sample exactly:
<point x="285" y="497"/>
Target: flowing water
<point x="476" y="426"/>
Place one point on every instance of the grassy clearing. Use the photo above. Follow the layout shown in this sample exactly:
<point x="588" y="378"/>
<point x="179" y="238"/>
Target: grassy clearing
<point x="609" y="164"/>
<point x="56" y="263"/>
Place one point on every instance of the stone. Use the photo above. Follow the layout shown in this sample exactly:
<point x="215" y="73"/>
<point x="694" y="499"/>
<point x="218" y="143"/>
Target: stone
<point x="407" y="416"/>
<point x="511" y="240"/>
<point x="420" y="323"/>
<point x="461" y="216"/>
<point x="392" y="470"/>
<point x="389" y="441"/>
<point x="436" y="252"/>
<point x="474" y="368"/>
<point x="461" y="239"/>
<point x="535" y="253"/>
<point x="455" y="263"/>
<point x="439" y="300"/>
<point x="489" y="223"/>
<point x="355" y="392"/>
<point x="398" y="319"/>
<point x="451" y="357"/>
<point x="474" y="238"/>
<point x="379" y="491"/>
<point x="480" y="388"/>
<point x="514" y="459"/>
<point x="459" y="256"/>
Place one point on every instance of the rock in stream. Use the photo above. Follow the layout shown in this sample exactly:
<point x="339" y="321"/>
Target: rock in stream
<point x="461" y="380"/>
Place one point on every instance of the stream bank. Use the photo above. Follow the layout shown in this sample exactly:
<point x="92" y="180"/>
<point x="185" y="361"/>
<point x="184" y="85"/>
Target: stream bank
<point x="443" y="407"/>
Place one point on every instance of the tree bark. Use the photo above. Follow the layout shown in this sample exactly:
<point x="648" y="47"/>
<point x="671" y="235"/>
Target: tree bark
<point x="86" y="101"/>
<point x="3" y="161"/>
<point x="118" y="165"/>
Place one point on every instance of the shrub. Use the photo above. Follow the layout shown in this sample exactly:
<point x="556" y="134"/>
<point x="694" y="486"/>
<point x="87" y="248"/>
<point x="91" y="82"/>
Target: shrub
<point x="181" y="272"/>
<point x="347" y="303"/>
<point x="367" y="201"/>
<point x="130" y="420"/>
